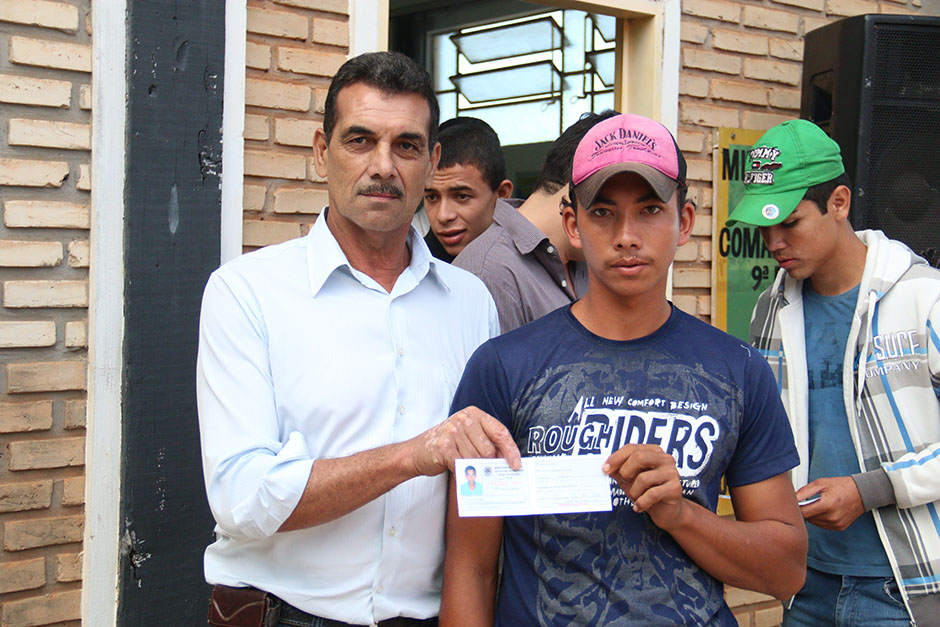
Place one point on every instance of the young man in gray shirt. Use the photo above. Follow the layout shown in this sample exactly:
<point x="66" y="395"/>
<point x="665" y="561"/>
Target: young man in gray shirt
<point x="524" y="258"/>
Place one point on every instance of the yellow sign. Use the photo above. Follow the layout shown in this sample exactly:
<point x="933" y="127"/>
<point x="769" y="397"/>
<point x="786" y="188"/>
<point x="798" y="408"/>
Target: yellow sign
<point x="742" y="267"/>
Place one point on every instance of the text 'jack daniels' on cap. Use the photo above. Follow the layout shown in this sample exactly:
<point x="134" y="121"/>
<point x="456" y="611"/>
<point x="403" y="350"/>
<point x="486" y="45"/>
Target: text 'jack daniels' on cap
<point x="627" y="143"/>
<point x="786" y="161"/>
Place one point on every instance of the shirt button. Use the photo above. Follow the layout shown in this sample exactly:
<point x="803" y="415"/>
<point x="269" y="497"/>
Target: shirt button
<point x="401" y="351"/>
<point x="564" y="283"/>
<point x="379" y="588"/>
<point x="401" y="410"/>
<point x="550" y="249"/>
<point x="392" y="531"/>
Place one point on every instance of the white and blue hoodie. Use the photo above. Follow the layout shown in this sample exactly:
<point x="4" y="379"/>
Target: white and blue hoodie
<point x="891" y="384"/>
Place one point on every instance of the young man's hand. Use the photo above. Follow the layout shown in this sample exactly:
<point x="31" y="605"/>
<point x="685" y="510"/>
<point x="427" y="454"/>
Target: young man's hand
<point x="648" y="475"/>
<point x="469" y="433"/>
<point x="839" y="503"/>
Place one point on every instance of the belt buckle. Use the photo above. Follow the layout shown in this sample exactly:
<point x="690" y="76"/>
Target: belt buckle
<point x="272" y="615"/>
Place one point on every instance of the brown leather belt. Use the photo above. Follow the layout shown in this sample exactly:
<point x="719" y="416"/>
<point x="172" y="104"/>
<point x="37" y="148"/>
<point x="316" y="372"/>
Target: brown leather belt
<point x="250" y="607"/>
<point x="294" y="617"/>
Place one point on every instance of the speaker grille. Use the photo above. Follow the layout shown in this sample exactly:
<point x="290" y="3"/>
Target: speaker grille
<point x="898" y="189"/>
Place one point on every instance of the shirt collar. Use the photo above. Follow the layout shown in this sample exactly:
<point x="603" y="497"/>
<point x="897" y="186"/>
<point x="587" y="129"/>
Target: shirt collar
<point x="324" y="257"/>
<point x="525" y="235"/>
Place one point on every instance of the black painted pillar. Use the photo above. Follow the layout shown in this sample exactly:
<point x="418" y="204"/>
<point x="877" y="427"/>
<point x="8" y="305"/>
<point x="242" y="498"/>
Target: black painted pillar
<point x="172" y="226"/>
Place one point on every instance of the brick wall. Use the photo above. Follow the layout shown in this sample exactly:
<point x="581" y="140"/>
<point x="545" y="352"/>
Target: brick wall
<point x="294" y="48"/>
<point x="741" y="66"/>
<point x="45" y="139"/>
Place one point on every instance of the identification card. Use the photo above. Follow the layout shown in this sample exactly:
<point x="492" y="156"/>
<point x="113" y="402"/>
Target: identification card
<point x="545" y="485"/>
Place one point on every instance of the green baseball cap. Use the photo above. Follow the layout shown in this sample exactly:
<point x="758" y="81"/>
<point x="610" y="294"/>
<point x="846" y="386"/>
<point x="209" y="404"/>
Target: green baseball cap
<point x="789" y="159"/>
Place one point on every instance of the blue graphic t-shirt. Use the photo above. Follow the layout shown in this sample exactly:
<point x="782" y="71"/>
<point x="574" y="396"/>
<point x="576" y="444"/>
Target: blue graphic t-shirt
<point x="827" y="321"/>
<point x="705" y="397"/>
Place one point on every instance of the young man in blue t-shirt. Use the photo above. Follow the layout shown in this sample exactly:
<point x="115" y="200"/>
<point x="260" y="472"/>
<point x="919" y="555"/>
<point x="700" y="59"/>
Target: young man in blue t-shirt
<point x="674" y="403"/>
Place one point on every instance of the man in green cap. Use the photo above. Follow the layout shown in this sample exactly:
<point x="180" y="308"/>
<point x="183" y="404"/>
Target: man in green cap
<point x="850" y="327"/>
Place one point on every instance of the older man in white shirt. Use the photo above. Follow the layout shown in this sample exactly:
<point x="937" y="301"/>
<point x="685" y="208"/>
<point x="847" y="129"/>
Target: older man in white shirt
<point x="326" y="370"/>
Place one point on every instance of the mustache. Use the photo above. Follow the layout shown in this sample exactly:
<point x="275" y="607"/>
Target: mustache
<point x="631" y="259"/>
<point x="381" y="188"/>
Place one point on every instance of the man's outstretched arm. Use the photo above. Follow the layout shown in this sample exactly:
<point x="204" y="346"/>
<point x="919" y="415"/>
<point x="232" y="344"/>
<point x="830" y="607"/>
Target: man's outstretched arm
<point x="762" y="549"/>
<point x="340" y="485"/>
<point x="470" y="567"/>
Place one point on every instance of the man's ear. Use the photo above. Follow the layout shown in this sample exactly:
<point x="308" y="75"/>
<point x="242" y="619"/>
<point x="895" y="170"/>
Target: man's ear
<point x="569" y="220"/>
<point x="319" y="151"/>
<point x="505" y="189"/>
<point x="686" y="222"/>
<point x="839" y="203"/>
<point x="435" y="159"/>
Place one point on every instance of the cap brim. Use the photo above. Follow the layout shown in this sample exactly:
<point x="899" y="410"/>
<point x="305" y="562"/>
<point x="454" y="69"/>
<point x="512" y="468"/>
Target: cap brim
<point x="663" y="186"/>
<point x="765" y="209"/>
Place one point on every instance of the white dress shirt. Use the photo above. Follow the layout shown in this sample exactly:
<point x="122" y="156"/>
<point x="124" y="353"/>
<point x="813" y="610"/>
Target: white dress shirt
<point x="302" y="357"/>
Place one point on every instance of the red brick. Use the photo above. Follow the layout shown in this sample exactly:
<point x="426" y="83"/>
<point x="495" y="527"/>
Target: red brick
<point x="24" y="575"/>
<point x="31" y="173"/>
<point x="264" y="21"/>
<point x="771" y="19"/>
<point x="39" y="92"/>
<point x="266" y="232"/>
<point x="693" y="85"/>
<point x="253" y="198"/>
<point x="304" y="61"/>
<point x="850" y="7"/>
<point x="29" y="416"/>
<point x="50" y="376"/>
<point x="58" y="607"/>
<point x="330" y="32"/>
<point x="27" y="333"/>
<point x="739" y="41"/>
<point x="300" y="200"/>
<point x="277" y="95"/>
<point x="45" y="213"/>
<point x="55" y="453"/>
<point x="713" y="61"/>
<point x="21" y="294"/>
<point x="708" y="115"/>
<point x="713" y="9"/>
<point x="51" y="54"/>
<point x="49" y="134"/>
<point x="43" y="13"/>
<point x="775" y="71"/>
<point x="68" y="567"/>
<point x="19" y="535"/>
<point x="814" y="5"/>
<point x="748" y="93"/>
<point x="293" y="132"/>
<point x="258" y="56"/>
<point x="275" y="165"/>
<point x="333" y="6"/>
<point x="73" y="491"/>
<point x="25" y="495"/>
<point x="75" y="414"/>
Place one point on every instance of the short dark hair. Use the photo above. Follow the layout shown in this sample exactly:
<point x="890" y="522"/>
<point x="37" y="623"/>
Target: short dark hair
<point x="821" y="192"/>
<point x="468" y="469"/>
<point x="390" y="72"/>
<point x="471" y="141"/>
<point x="556" y="169"/>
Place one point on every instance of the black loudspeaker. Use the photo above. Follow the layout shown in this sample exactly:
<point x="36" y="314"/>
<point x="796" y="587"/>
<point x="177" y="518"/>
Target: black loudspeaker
<point x="872" y="82"/>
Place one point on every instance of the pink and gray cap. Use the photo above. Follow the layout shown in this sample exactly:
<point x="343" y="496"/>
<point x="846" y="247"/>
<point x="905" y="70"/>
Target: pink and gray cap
<point x="627" y="143"/>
